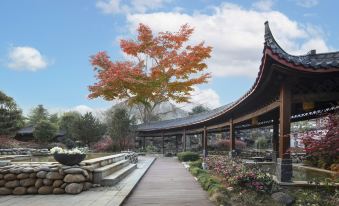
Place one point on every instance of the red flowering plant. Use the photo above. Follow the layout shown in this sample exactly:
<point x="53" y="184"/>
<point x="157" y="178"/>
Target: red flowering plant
<point x="322" y="145"/>
<point x="236" y="174"/>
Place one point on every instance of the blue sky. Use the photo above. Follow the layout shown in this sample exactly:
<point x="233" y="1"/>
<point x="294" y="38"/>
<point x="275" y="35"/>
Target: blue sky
<point x="45" y="45"/>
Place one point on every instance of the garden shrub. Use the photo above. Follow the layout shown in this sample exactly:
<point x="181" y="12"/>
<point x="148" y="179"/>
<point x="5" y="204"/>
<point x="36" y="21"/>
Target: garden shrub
<point x="197" y="163"/>
<point x="104" y="144"/>
<point x="237" y="174"/>
<point x="321" y="146"/>
<point x="196" y="171"/>
<point x="188" y="156"/>
<point x="225" y="144"/>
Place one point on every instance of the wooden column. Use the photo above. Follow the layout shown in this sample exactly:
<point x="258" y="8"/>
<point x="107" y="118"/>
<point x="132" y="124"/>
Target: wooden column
<point x="285" y="120"/>
<point x="163" y="143"/>
<point x="275" y="140"/>
<point x="144" y="143"/>
<point x="176" y="144"/>
<point x="204" y="146"/>
<point x="284" y="170"/>
<point x="184" y="140"/>
<point x="232" y="135"/>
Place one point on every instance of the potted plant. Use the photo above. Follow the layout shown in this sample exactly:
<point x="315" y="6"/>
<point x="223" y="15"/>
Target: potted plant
<point x="69" y="157"/>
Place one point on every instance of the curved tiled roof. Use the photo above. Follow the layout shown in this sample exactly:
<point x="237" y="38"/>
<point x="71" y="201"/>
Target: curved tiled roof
<point x="311" y="62"/>
<point x="181" y="122"/>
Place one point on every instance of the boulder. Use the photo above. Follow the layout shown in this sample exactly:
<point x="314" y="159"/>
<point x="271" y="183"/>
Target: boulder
<point x="54" y="176"/>
<point x="9" y="177"/>
<point x="38" y="183"/>
<point x="5" y="191"/>
<point x="58" y="191"/>
<point x="2" y="183"/>
<point x="27" y="182"/>
<point x="15" y="170"/>
<point x="47" y="182"/>
<point x="19" y="191"/>
<point x="44" y="190"/>
<point x="74" y="188"/>
<point x="41" y="174"/>
<point x="12" y="184"/>
<point x="74" y="171"/>
<point x="22" y="176"/>
<point x="57" y="183"/>
<point x="87" y="185"/>
<point x="74" y="178"/>
<point x="63" y="185"/>
<point x="32" y="175"/>
<point x="1" y="176"/>
<point x="32" y="190"/>
<point x="283" y="198"/>
<point x="44" y="168"/>
<point x="27" y="170"/>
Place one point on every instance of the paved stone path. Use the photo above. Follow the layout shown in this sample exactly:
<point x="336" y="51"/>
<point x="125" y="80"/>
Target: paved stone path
<point x="101" y="196"/>
<point x="167" y="183"/>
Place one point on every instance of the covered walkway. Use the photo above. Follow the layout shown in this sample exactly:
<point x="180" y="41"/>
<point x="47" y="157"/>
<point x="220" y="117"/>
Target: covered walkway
<point x="167" y="182"/>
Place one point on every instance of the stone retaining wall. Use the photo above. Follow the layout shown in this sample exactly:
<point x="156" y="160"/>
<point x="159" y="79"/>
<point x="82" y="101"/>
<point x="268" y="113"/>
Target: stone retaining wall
<point x="44" y="179"/>
<point x="24" y="151"/>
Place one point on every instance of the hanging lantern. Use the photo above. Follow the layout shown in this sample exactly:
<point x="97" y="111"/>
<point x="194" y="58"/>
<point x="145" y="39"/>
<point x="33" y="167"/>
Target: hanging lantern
<point x="308" y="106"/>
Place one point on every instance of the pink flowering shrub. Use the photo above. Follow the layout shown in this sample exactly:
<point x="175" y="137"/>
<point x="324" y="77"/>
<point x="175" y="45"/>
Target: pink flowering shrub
<point x="236" y="174"/>
<point x="225" y="144"/>
<point x="103" y="145"/>
<point x="322" y="146"/>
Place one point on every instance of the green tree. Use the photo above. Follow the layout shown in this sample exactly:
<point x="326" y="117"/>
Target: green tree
<point x="66" y="123"/>
<point x="198" y="109"/>
<point x="88" y="129"/>
<point x="44" y="131"/>
<point x="10" y="115"/>
<point x="39" y="113"/>
<point x="121" y="127"/>
<point x="54" y="118"/>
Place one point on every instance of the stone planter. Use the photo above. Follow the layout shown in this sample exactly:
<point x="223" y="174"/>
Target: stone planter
<point x="69" y="159"/>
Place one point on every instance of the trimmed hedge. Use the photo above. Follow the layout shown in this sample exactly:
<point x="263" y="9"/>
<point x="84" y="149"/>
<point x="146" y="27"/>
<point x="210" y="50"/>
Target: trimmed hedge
<point x="197" y="163"/>
<point x="188" y="156"/>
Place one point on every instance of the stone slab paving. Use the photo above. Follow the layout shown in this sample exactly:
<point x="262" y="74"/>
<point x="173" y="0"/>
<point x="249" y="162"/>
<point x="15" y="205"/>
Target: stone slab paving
<point x="100" y="196"/>
<point x="168" y="183"/>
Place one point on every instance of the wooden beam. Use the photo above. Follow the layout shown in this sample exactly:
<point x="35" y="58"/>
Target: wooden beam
<point x="258" y="112"/>
<point x="285" y="120"/>
<point x="217" y="126"/>
<point x="316" y="97"/>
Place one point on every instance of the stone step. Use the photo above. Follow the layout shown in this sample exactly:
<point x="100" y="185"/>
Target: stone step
<point x="103" y="161"/>
<point x="102" y="172"/>
<point x="114" y="178"/>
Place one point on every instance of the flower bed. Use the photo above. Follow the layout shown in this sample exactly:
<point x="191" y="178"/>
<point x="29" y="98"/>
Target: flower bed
<point x="230" y="182"/>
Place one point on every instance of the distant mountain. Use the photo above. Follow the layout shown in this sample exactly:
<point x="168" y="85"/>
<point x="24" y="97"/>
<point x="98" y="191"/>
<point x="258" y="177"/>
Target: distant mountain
<point x="165" y="111"/>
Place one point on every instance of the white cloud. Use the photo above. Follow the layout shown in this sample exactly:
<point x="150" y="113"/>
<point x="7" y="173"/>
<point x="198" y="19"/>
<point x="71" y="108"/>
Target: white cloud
<point x="263" y="5"/>
<point x="26" y="58"/>
<point x="107" y="7"/>
<point x="120" y="6"/>
<point x="307" y="3"/>
<point x="236" y="35"/>
<point x="205" y="97"/>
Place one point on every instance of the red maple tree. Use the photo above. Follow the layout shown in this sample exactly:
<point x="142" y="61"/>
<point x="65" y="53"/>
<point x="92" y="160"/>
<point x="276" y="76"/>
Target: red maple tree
<point x="163" y="68"/>
<point x="322" y="146"/>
